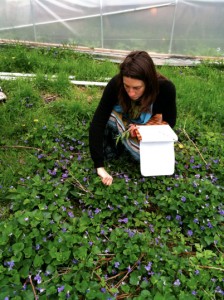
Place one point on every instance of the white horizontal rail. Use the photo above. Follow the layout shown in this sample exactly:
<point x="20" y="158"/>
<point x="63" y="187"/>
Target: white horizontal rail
<point x="14" y="76"/>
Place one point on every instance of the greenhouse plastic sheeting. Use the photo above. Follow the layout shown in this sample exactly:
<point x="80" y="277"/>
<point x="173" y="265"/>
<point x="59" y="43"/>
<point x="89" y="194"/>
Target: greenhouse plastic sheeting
<point x="174" y="27"/>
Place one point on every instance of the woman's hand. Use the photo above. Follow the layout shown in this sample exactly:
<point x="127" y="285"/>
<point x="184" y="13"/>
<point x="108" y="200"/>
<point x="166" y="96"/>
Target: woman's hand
<point x="105" y="177"/>
<point x="132" y="130"/>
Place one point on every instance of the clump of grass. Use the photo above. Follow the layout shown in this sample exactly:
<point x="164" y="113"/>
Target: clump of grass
<point x="54" y="61"/>
<point x="199" y="90"/>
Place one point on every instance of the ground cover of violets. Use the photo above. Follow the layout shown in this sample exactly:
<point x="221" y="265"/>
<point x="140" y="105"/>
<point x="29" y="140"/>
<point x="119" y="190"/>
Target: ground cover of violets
<point x="66" y="236"/>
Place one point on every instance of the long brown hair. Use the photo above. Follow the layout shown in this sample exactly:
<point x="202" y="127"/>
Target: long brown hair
<point x="138" y="65"/>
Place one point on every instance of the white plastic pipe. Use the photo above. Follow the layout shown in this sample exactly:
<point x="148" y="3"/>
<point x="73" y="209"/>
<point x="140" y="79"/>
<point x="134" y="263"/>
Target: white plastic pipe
<point x="14" y="76"/>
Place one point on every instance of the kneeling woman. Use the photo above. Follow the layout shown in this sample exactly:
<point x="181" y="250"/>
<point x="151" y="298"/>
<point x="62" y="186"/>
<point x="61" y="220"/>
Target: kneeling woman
<point x="133" y="96"/>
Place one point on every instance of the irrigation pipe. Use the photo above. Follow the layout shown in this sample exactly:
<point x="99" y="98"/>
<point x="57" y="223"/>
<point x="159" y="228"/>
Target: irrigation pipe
<point x="14" y="76"/>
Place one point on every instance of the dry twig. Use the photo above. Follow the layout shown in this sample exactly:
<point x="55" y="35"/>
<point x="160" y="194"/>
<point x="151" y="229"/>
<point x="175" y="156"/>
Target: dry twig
<point x="128" y="272"/>
<point x="22" y="147"/>
<point x="210" y="267"/>
<point x="188" y="137"/>
<point x="33" y="288"/>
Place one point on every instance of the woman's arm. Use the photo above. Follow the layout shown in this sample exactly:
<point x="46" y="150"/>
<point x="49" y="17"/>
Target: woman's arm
<point x="99" y="121"/>
<point x="165" y="103"/>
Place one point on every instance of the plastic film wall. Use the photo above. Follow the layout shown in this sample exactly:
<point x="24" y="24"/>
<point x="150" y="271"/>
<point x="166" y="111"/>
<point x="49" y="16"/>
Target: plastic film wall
<point x="175" y="27"/>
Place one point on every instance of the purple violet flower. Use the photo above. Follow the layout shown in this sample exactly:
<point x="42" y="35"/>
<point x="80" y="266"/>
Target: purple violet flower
<point x="148" y="267"/>
<point x="97" y="210"/>
<point x="75" y="261"/>
<point x="103" y="290"/>
<point x="219" y="290"/>
<point x="216" y="161"/>
<point x="129" y="269"/>
<point x="61" y="288"/>
<point x="189" y="232"/>
<point x="71" y="215"/>
<point x="221" y="212"/>
<point x="178" y="217"/>
<point x="38" y="278"/>
<point x="209" y="225"/>
<point x="130" y="233"/>
<point x="10" y="264"/>
<point x="183" y="199"/>
<point x="151" y="228"/>
<point x="177" y="282"/>
<point x="65" y="175"/>
<point x="125" y="220"/>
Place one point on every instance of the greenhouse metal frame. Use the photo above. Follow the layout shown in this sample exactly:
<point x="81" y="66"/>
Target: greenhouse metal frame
<point x="181" y="27"/>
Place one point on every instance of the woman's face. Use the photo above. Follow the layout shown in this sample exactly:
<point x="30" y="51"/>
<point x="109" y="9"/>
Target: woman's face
<point x="134" y="87"/>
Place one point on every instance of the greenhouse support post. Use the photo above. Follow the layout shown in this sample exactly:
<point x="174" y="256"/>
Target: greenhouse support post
<point x="172" y="30"/>
<point x="101" y="23"/>
<point x="33" y="18"/>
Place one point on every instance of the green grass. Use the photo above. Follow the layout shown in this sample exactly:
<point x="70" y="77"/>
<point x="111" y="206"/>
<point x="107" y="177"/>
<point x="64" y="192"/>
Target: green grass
<point x="65" y="234"/>
<point x="53" y="61"/>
